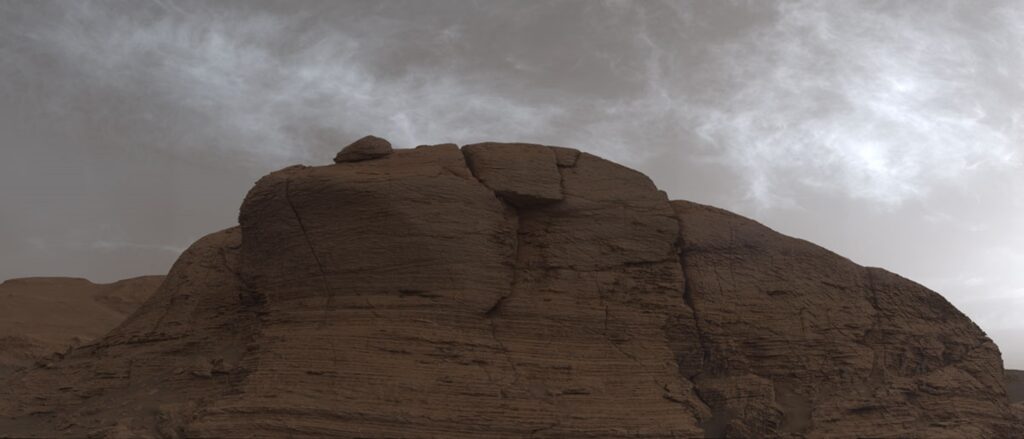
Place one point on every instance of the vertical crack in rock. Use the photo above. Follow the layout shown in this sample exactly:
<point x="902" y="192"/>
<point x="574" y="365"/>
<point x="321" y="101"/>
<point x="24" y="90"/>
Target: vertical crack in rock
<point x="608" y="338"/>
<point x="566" y="158"/>
<point x="160" y="321"/>
<point x="328" y="295"/>
<point x="688" y="299"/>
<point x="255" y="328"/>
<point x="495" y="310"/>
<point x="328" y="292"/>
<point x="871" y="336"/>
<point x="466" y="161"/>
<point x="517" y="260"/>
<point x="250" y="329"/>
<point x="504" y="351"/>
<point x="514" y="264"/>
<point x="227" y="266"/>
<point x="702" y="341"/>
<point x="561" y="175"/>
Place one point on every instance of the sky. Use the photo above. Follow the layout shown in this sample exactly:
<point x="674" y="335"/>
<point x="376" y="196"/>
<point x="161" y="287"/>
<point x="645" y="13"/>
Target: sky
<point x="891" y="132"/>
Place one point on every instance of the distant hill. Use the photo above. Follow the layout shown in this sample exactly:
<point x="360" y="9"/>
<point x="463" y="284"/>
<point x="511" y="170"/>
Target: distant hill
<point x="1015" y="385"/>
<point x="43" y="315"/>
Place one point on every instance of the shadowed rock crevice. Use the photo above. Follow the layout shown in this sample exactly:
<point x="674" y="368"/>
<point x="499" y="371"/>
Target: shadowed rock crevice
<point x="565" y="157"/>
<point x="693" y="371"/>
<point x="516" y="257"/>
<point x="718" y="401"/>
<point x="493" y="314"/>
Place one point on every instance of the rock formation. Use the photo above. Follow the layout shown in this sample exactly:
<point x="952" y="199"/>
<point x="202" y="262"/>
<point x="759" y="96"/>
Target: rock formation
<point x="367" y="148"/>
<point x="42" y="316"/>
<point x="509" y="291"/>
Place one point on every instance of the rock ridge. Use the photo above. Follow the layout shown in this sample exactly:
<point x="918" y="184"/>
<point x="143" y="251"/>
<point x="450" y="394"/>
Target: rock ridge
<point x="505" y="290"/>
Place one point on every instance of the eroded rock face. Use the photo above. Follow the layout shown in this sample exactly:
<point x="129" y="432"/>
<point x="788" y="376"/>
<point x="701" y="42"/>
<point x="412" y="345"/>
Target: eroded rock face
<point x="507" y="291"/>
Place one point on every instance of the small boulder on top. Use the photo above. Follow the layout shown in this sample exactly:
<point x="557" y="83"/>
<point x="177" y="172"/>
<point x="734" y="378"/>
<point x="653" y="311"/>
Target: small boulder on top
<point x="367" y="148"/>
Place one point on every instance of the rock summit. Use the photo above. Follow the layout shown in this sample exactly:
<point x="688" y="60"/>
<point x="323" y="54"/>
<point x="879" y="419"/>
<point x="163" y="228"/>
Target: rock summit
<point x="367" y="148"/>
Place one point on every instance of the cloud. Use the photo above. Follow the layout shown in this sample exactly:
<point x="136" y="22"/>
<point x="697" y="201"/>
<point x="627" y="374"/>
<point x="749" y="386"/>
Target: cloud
<point x="207" y="82"/>
<point x="871" y="100"/>
<point x="874" y="100"/>
<point x="122" y="245"/>
<point x="46" y="244"/>
<point x="991" y="289"/>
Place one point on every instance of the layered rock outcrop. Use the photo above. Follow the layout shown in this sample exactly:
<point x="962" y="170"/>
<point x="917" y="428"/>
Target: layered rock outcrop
<point x="507" y="291"/>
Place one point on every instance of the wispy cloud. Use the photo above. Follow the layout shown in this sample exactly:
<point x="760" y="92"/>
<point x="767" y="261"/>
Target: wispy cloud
<point x="875" y="100"/>
<point x="229" y="85"/>
<point x="46" y="244"/>
<point x="123" y="245"/>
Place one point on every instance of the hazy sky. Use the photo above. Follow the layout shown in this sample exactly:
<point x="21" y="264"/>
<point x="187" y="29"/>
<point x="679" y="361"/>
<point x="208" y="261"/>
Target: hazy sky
<point x="889" y="131"/>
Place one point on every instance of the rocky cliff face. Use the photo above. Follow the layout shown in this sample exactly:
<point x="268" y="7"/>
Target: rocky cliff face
<point x="507" y="291"/>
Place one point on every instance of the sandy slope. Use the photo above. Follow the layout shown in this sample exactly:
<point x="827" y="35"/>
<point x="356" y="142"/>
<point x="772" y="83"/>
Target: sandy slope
<point x="43" y="315"/>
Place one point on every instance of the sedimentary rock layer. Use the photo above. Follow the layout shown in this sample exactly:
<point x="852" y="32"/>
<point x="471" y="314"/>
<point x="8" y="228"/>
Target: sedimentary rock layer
<point x="508" y="291"/>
